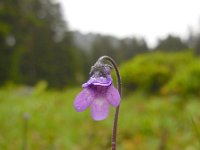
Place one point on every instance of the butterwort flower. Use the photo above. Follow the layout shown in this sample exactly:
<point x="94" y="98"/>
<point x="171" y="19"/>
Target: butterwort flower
<point x="98" y="92"/>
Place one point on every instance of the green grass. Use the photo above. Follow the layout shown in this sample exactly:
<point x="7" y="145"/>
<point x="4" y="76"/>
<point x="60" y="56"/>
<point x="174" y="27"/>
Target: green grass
<point x="151" y="123"/>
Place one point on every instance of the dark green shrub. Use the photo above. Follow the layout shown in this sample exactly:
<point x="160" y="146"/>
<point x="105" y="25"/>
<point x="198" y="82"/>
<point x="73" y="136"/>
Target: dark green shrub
<point x="151" y="72"/>
<point x="186" y="81"/>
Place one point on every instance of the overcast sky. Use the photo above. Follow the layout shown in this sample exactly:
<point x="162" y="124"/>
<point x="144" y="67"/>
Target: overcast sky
<point x="147" y="18"/>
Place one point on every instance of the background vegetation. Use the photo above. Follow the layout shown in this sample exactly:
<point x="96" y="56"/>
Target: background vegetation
<point x="163" y="73"/>
<point x="145" y="122"/>
<point x="43" y="63"/>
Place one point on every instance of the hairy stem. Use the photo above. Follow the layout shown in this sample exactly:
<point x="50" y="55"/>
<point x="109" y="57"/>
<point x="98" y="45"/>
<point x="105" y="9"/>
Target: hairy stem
<point x="114" y="132"/>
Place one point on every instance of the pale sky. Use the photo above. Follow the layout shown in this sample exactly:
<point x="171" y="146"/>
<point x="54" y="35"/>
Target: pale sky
<point x="150" y="19"/>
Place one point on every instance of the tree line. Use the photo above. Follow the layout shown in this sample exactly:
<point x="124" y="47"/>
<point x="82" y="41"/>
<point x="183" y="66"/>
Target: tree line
<point x="36" y="44"/>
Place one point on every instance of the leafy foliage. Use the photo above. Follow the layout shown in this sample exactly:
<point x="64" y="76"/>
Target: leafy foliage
<point x="171" y="43"/>
<point x="197" y="46"/>
<point x="36" y="44"/>
<point x="162" y="73"/>
<point x="186" y="80"/>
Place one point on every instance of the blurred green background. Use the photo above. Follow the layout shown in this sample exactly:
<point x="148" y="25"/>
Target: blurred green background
<point x="43" y="64"/>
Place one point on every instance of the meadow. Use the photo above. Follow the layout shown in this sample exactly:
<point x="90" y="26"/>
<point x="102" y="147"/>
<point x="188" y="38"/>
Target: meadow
<point x="161" y="91"/>
<point x="36" y="118"/>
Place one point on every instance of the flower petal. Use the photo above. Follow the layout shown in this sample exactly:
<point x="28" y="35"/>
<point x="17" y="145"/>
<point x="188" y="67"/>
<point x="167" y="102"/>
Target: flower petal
<point x="102" y="81"/>
<point x="84" y="99"/>
<point x="99" y="109"/>
<point x="112" y="96"/>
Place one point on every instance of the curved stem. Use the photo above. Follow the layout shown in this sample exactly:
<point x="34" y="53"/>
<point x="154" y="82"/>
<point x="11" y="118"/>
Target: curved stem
<point x="114" y="132"/>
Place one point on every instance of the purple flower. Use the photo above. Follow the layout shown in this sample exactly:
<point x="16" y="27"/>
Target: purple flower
<point x="98" y="93"/>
